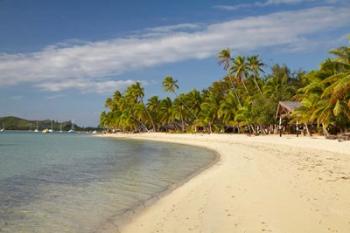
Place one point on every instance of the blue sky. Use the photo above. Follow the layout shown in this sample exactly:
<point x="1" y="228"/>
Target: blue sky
<point x="61" y="59"/>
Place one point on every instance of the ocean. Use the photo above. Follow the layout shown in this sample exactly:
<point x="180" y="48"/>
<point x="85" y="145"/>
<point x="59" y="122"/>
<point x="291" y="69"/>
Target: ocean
<point x="80" y="183"/>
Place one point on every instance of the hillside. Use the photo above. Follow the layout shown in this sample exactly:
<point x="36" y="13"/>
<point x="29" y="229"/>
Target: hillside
<point x="16" y="123"/>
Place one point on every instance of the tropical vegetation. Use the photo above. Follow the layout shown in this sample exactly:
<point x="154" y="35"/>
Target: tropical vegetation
<point x="243" y="101"/>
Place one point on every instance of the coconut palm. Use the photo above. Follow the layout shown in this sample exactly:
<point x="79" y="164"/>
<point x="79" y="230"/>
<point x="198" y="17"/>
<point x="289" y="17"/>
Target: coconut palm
<point x="255" y="67"/>
<point x="209" y="110"/>
<point x="153" y="107"/>
<point x="170" y="84"/>
<point x="239" y="69"/>
<point x="228" y="108"/>
<point x="166" y="112"/>
<point x="224" y="57"/>
<point x="135" y="93"/>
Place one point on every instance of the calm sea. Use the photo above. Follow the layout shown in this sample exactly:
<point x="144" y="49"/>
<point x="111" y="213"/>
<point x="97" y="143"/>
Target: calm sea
<point x="78" y="183"/>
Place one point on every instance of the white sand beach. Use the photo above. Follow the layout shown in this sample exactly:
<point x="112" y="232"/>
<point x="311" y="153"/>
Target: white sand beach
<point x="259" y="184"/>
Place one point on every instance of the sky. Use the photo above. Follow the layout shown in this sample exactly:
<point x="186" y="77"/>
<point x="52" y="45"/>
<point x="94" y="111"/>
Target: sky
<point x="61" y="59"/>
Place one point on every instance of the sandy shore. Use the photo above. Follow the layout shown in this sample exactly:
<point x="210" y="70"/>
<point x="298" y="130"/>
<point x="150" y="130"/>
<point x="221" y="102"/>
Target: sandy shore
<point x="260" y="184"/>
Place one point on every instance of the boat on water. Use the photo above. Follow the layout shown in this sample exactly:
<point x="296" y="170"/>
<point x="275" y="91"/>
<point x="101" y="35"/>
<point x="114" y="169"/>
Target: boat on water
<point x="51" y="130"/>
<point x="72" y="128"/>
<point x="61" y="131"/>
<point x="36" y="130"/>
<point x="3" y="128"/>
<point x="46" y="131"/>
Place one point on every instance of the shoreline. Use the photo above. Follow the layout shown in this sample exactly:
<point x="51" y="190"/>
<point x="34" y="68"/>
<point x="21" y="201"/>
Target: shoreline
<point x="263" y="183"/>
<point x="133" y="212"/>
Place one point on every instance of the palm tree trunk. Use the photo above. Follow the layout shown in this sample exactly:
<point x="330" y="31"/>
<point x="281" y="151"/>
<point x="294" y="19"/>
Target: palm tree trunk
<point x="245" y="87"/>
<point x="195" y="117"/>
<point x="182" y="123"/>
<point x="234" y="91"/>
<point x="257" y="85"/>
<point x="307" y="129"/>
<point x="325" y="131"/>
<point x="150" y="117"/>
<point x="252" y="127"/>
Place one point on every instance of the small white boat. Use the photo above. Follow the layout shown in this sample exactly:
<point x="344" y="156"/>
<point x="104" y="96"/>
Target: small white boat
<point x="72" y="128"/>
<point x="51" y="130"/>
<point x="2" y="130"/>
<point x="45" y="131"/>
<point x="36" y="130"/>
<point x="94" y="132"/>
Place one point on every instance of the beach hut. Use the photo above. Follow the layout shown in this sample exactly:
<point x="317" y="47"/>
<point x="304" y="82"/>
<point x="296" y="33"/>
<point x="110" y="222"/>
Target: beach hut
<point x="285" y="108"/>
<point x="284" y="111"/>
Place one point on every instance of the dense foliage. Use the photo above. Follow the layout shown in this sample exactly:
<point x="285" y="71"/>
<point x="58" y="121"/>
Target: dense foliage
<point x="245" y="100"/>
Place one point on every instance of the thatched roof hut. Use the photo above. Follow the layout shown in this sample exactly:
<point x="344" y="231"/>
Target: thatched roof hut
<point x="285" y="108"/>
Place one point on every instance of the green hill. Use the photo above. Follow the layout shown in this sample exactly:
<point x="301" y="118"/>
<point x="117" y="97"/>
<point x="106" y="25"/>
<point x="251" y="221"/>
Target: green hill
<point x="16" y="123"/>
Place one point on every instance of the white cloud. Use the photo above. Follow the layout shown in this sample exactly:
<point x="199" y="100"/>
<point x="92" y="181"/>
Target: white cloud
<point x="86" y="86"/>
<point x="277" y="2"/>
<point x="89" y="66"/>
<point x="261" y="4"/>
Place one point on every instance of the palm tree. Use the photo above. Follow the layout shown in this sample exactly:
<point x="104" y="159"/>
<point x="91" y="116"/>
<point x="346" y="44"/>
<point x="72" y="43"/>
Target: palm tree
<point x="166" y="112"/>
<point x="228" y="108"/>
<point x="240" y="70"/>
<point x="278" y="85"/>
<point x="179" y="112"/>
<point x="255" y="66"/>
<point x="136" y="93"/>
<point x="244" y="116"/>
<point x="170" y="84"/>
<point x="153" y="107"/>
<point x="224" y="57"/>
<point x="209" y="110"/>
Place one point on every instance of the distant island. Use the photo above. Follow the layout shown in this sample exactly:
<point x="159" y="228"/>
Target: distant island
<point x="16" y="123"/>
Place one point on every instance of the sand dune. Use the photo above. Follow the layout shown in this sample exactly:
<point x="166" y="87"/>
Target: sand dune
<point x="260" y="184"/>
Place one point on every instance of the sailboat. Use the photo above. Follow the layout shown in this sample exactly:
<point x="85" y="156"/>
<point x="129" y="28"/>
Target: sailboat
<point x="72" y="128"/>
<point x="51" y="130"/>
<point x="36" y="130"/>
<point x="3" y="128"/>
<point x="61" y="128"/>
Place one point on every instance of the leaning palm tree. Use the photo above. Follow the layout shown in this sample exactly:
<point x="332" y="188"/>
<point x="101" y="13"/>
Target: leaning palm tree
<point x="224" y="57"/>
<point x="240" y="70"/>
<point x="255" y="66"/>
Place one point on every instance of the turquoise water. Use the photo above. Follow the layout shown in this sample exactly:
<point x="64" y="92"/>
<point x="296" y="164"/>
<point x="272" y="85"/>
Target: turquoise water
<point x="78" y="183"/>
